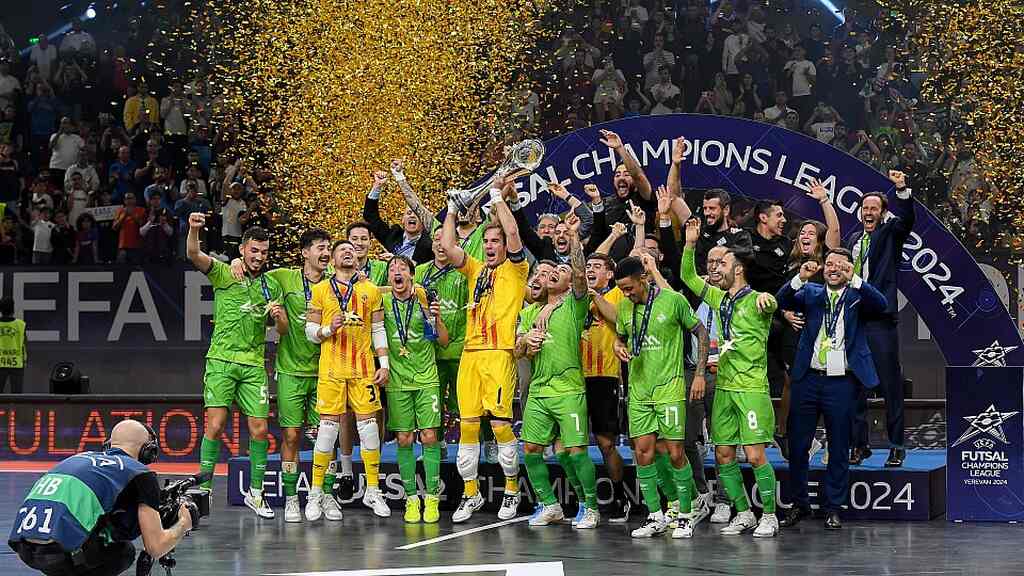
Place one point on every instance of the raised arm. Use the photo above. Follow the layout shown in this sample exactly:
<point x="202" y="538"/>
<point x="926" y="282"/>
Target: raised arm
<point x="637" y="216"/>
<point x="513" y="241"/>
<point x="651" y="267"/>
<point x="612" y="140"/>
<point x="618" y="230"/>
<point x="449" y="239"/>
<point x="666" y="233"/>
<point x="202" y="262"/>
<point x="576" y="258"/>
<point x="675" y="173"/>
<point x="832" y="236"/>
<point x="371" y="210"/>
<point x="411" y="199"/>
<point x="695" y="283"/>
<point x="903" y="206"/>
<point x="605" y="309"/>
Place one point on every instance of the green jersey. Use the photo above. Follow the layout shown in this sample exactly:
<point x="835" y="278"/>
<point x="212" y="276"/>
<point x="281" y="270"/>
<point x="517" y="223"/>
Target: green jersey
<point x="743" y="352"/>
<point x="472" y="244"/>
<point x="557" y="368"/>
<point x="452" y="294"/>
<point x="377" y="272"/>
<point x="296" y="355"/>
<point x="240" y="315"/>
<point x="654" y="332"/>
<point x="413" y="363"/>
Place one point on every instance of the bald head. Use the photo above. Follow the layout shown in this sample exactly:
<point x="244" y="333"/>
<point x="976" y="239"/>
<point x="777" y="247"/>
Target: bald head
<point x="129" y="435"/>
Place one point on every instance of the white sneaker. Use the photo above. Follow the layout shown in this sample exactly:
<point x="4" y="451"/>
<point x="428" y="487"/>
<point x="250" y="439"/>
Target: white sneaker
<point x="292" y="512"/>
<point x="314" y="511"/>
<point x="491" y="452"/>
<point x="741" y="523"/>
<point x="654" y="525"/>
<point x="722" y="513"/>
<point x="672" y="514"/>
<point x="254" y="499"/>
<point x="591" y="518"/>
<point x="544" y="515"/>
<point x="816" y="446"/>
<point x="467" y="507"/>
<point x="331" y="508"/>
<point x="510" y="506"/>
<point x="685" y="529"/>
<point x="701" y="508"/>
<point x="374" y="500"/>
<point x="768" y="527"/>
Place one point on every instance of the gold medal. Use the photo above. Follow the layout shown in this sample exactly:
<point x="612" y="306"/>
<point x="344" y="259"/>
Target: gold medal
<point x="471" y="305"/>
<point x="403" y="352"/>
<point x="726" y="346"/>
<point x="352" y="318"/>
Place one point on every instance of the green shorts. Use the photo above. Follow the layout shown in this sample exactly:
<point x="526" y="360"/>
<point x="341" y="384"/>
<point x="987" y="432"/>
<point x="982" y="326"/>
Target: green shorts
<point x="296" y="401"/>
<point x="448" y="372"/>
<point x="566" y="415"/>
<point x="742" y="418"/>
<point x="667" y="420"/>
<point x="225" y="383"/>
<point x="410" y="410"/>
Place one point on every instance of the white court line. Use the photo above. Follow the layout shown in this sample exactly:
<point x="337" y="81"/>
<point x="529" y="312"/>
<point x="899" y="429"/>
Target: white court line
<point x="463" y="533"/>
<point x="521" y="569"/>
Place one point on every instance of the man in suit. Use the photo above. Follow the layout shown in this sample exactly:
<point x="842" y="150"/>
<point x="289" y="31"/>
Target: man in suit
<point x="407" y="240"/>
<point x="877" y="252"/>
<point x="832" y="357"/>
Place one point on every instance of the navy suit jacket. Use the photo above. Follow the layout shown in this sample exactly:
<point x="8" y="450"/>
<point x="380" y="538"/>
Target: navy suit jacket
<point x="886" y="252"/>
<point x="812" y="299"/>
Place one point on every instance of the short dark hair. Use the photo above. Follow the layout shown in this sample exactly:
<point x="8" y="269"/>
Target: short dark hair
<point x="743" y="255"/>
<point x="841" y="251"/>
<point x="357" y="224"/>
<point x="718" y="194"/>
<point x="765" y="206"/>
<point x="881" y="197"/>
<point x="404" y="260"/>
<point x="547" y="261"/>
<point x="313" y="235"/>
<point x="606" y="259"/>
<point x="629" y="267"/>
<point x="256" y="234"/>
<point x="337" y="243"/>
<point x="7" y="306"/>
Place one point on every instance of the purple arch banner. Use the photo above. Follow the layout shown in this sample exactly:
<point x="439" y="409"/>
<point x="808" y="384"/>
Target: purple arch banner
<point x="939" y="276"/>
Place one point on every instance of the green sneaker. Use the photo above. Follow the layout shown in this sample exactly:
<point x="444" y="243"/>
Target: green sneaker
<point x="430" y="513"/>
<point x="412" y="509"/>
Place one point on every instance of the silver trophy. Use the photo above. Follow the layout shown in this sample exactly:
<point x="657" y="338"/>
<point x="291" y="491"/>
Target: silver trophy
<point x="520" y="160"/>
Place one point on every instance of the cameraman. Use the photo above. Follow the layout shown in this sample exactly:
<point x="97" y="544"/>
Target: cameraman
<point x="81" y="517"/>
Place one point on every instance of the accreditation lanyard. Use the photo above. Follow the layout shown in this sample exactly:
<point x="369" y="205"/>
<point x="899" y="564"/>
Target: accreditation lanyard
<point x="432" y="278"/>
<point x="349" y="290"/>
<point x="832" y="315"/>
<point x="726" y="309"/>
<point x="639" y="335"/>
<point x="403" y="327"/>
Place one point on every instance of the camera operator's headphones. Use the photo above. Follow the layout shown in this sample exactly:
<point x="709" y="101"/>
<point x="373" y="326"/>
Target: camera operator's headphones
<point x="149" y="451"/>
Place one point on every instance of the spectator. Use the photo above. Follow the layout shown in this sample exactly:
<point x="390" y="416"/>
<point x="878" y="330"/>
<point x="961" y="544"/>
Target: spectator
<point x="44" y="57"/>
<point x="177" y="111"/>
<point x="71" y="80"/>
<point x="163" y="184"/>
<point x="10" y="87"/>
<point x="10" y="128"/>
<point x="157" y="236"/>
<point x="62" y="239"/>
<point x="44" y="110"/>
<point x="87" y="241"/>
<point x="777" y="113"/>
<point x="665" y="94"/>
<point x="721" y="95"/>
<point x="814" y="45"/>
<point x="200" y="145"/>
<point x="65" y="146"/>
<point x="637" y="14"/>
<point x="231" y="211"/>
<point x="10" y="179"/>
<point x="90" y="178"/>
<point x="78" y="43"/>
<point x="122" y="175"/>
<point x="801" y="73"/>
<point x="139" y="106"/>
<point x="194" y="176"/>
<point x="192" y="202"/>
<point x="127" y="221"/>
<point x="610" y="88"/>
<point x="748" y="95"/>
<point x="655" y="60"/>
<point x="77" y="196"/>
<point x="822" y="123"/>
<point x="41" y="197"/>
<point x="42" y="248"/>
<point x="735" y="45"/>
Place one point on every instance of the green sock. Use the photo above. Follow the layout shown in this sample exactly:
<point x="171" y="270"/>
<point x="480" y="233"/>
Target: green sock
<point x="257" y="463"/>
<point x="571" y="478"/>
<point x="290" y="478"/>
<point x="432" y="467"/>
<point x="732" y="479"/>
<point x="537" y="472"/>
<point x="684" y="485"/>
<point x="407" y="468"/>
<point x="765" y="476"/>
<point x="329" y="473"/>
<point x="666" y="481"/>
<point x="587" y="474"/>
<point x="648" y="475"/>
<point x="209" y="453"/>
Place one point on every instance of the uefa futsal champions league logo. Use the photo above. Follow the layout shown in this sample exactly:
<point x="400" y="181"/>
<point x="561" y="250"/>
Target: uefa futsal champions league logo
<point x="992" y="356"/>
<point x="985" y="461"/>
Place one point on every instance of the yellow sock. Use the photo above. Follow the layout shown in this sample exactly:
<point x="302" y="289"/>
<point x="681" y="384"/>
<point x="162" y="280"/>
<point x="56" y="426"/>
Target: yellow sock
<point x="469" y="434"/>
<point x="371" y="462"/>
<point x="504" y="435"/>
<point x="320" y="462"/>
